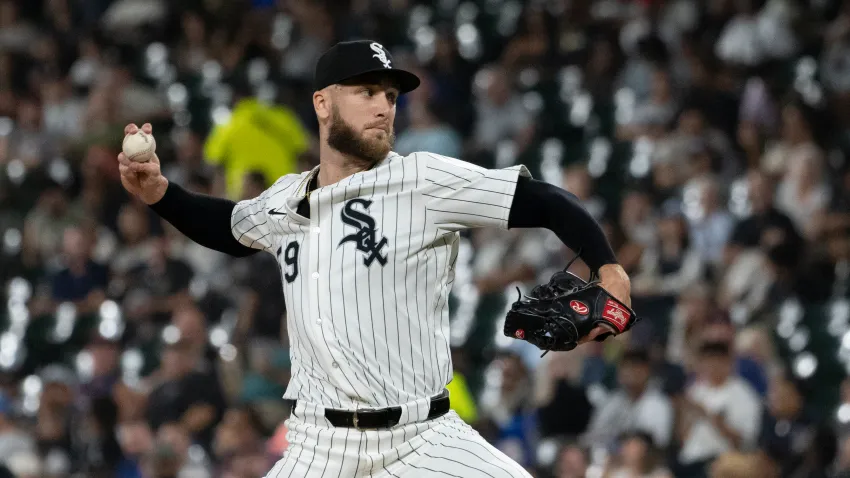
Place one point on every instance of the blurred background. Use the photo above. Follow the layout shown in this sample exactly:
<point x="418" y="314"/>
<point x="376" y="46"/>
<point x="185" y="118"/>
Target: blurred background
<point x="708" y="137"/>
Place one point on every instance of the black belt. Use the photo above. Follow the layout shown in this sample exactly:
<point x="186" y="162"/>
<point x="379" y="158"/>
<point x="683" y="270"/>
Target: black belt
<point x="368" y="419"/>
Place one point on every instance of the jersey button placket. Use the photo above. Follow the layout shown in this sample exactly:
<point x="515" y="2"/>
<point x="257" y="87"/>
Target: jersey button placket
<point x="315" y="283"/>
<point x="318" y="284"/>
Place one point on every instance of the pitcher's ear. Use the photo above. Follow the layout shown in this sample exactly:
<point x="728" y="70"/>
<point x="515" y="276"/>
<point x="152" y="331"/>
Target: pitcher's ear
<point x="322" y="104"/>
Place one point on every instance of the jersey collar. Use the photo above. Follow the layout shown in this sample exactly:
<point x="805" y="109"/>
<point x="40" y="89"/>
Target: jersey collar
<point x="303" y="186"/>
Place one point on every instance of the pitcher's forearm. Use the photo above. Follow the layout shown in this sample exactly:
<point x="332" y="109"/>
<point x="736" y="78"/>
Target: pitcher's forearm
<point x="203" y="219"/>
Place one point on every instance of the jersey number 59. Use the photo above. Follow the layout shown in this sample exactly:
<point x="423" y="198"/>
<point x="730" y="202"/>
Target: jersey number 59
<point x="290" y="261"/>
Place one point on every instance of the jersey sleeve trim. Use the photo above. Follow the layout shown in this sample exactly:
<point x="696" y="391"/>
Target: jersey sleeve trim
<point x="460" y="195"/>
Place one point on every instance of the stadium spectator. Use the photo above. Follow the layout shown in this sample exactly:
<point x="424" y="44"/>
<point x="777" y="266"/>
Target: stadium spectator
<point x="572" y="462"/>
<point x="710" y="224"/>
<point x="804" y="193"/>
<point x="428" y="133"/>
<point x="13" y="439"/>
<point x="55" y="420"/>
<point x="238" y="440"/>
<point x="105" y="353"/>
<point x="557" y="382"/>
<point x="189" y="161"/>
<point x="190" y="325"/>
<point x="577" y="180"/>
<point x="170" y="455"/>
<point x="136" y="441"/>
<point x="206" y="265"/>
<point x="658" y="109"/>
<point x="765" y="225"/>
<point x="506" y="404"/>
<point x="82" y="281"/>
<point x="464" y="404"/>
<point x="506" y="116"/>
<point x="719" y="412"/>
<point x="261" y="308"/>
<point x="786" y="433"/>
<point x="636" y="407"/>
<point x="257" y="136"/>
<point x="185" y="396"/>
<point x="45" y="225"/>
<point x="671" y="265"/>
<point x="637" y="457"/>
<point x="138" y="243"/>
<point x="162" y="281"/>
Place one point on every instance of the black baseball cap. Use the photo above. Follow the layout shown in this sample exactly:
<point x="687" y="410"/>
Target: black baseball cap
<point x="350" y="59"/>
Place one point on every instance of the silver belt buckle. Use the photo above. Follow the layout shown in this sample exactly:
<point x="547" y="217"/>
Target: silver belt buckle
<point x="355" y="420"/>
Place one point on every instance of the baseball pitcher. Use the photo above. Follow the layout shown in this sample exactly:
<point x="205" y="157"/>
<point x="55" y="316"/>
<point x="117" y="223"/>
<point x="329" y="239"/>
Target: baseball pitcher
<point x="367" y="243"/>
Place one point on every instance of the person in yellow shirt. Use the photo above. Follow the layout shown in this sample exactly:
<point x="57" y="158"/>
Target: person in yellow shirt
<point x="257" y="137"/>
<point x="462" y="400"/>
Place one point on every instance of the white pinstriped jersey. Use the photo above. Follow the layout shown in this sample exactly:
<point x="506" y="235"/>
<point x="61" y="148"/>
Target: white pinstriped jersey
<point x="367" y="277"/>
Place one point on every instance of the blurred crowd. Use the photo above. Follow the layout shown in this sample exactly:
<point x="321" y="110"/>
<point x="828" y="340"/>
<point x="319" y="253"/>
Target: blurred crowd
<point x="709" y="138"/>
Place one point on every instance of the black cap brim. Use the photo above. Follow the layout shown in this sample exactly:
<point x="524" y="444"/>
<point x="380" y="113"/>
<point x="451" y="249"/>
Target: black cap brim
<point x="405" y="80"/>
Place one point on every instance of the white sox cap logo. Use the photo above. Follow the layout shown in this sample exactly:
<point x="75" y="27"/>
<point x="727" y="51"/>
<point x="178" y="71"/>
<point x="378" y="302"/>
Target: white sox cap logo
<point x="380" y="54"/>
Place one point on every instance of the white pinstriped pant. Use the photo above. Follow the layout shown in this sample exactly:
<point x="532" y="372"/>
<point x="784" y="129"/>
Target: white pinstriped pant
<point x="443" y="447"/>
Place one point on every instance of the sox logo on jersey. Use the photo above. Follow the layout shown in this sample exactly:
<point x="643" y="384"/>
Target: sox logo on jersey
<point x="366" y="233"/>
<point x="362" y="336"/>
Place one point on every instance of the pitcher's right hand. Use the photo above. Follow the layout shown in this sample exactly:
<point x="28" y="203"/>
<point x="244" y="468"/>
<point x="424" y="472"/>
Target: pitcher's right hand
<point x="144" y="180"/>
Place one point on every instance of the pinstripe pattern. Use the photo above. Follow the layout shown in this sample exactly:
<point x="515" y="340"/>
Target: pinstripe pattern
<point x="355" y="343"/>
<point x="442" y="447"/>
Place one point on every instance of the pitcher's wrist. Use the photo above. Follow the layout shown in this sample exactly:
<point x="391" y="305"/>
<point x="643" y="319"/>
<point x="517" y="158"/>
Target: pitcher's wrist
<point x="156" y="192"/>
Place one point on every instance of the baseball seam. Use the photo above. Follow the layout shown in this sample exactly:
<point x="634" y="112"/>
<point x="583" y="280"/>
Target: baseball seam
<point x="142" y="152"/>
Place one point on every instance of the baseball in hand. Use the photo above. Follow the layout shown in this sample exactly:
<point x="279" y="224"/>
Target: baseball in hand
<point x="139" y="147"/>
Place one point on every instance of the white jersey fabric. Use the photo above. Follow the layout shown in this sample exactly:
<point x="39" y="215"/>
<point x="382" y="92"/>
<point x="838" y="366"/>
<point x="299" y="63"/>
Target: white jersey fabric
<point x="366" y="281"/>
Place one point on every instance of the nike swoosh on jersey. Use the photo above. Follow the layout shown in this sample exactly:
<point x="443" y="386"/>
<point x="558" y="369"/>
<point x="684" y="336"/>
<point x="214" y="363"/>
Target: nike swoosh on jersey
<point x="275" y="212"/>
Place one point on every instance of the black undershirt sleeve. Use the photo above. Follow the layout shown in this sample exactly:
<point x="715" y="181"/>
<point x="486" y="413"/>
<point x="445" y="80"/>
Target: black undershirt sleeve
<point x="540" y="204"/>
<point x="203" y="219"/>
